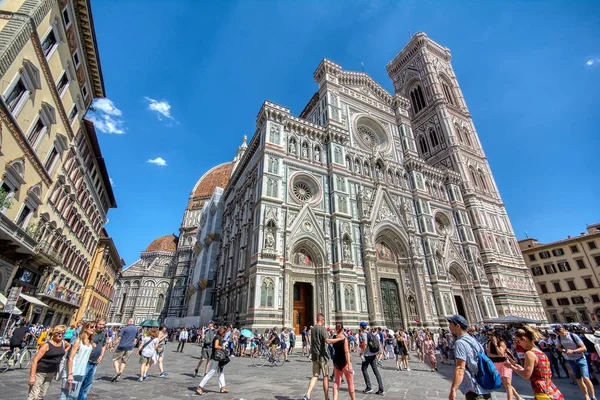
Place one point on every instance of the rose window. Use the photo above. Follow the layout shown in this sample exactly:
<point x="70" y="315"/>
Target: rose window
<point x="368" y="136"/>
<point x="371" y="135"/>
<point x="302" y="191"/>
<point x="305" y="188"/>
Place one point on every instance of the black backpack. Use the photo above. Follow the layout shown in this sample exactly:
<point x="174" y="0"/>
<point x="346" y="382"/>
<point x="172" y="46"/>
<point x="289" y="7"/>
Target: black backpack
<point x="372" y="342"/>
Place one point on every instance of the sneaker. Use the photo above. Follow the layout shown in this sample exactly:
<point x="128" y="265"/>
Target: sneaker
<point x="163" y="375"/>
<point x="116" y="377"/>
<point x="368" y="390"/>
<point x="146" y="376"/>
<point x="195" y="373"/>
<point x="141" y="379"/>
<point x="305" y="397"/>
<point x="380" y="392"/>
<point x="408" y="369"/>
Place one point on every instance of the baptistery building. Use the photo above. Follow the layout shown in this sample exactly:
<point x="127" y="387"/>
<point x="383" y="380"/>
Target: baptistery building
<point x="369" y="205"/>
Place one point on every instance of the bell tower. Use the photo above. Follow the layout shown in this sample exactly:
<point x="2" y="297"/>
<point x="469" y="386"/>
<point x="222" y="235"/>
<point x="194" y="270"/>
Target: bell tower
<point x="445" y="137"/>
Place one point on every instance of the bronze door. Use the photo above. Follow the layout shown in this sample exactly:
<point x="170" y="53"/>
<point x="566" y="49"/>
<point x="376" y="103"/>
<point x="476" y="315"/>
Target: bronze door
<point x="302" y="306"/>
<point x="391" y="304"/>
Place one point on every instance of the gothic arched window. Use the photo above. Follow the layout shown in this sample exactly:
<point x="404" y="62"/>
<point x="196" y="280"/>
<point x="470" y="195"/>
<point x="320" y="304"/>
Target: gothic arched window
<point x="473" y="177"/>
<point x="160" y="303"/>
<point x="433" y="138"/>
<point x="417" y="99"/>
<point x="423" y="146"/>
<point x="267" y="292"/>
<point x="482" y="180"/>
<point x="349" y="303"/>
<point x="447" y="92"/>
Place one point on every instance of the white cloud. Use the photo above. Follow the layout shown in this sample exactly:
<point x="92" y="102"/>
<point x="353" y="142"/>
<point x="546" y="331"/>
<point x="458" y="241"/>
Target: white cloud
<point x="592" y="61"/>
<point x="162" y="108"/>
<point x="106" y="116"/>
<point x="161" y="162"/>
<point x="112" y="183"/>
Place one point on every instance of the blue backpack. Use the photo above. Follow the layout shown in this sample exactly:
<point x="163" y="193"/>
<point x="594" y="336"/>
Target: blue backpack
<point x="487" y="376"/>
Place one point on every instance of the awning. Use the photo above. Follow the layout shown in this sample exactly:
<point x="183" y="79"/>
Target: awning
<point x="34" y="300"/>
<point x="3" y="300"/>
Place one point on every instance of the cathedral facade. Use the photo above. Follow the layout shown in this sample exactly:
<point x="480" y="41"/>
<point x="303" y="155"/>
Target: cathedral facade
<point x="369" y="206"/>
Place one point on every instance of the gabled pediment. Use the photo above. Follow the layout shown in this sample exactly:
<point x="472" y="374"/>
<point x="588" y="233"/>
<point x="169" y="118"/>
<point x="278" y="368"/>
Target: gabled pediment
<point x="307" y="224"/>
<point x="363" y="83"/>
<point x="384" y="209"/>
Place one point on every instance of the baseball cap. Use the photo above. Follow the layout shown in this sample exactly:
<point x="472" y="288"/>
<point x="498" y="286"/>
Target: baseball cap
<point x="363" y="324"/>
<point x="458" y="320"/>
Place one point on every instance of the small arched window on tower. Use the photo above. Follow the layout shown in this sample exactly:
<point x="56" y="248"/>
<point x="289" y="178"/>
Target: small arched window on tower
<point x="417" y="99"/>
<point x="466" y="136"/>
<point x="423" y="146"/>
<point x="473" y="177"/>
<point x="433" y="138"/>
<point x="482" y="180"/>
<point x="446" y="87"/>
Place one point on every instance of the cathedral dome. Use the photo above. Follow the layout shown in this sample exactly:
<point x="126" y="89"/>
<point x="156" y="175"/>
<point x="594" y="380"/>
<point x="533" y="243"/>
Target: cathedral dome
<point x="163" y="243"/>
<point x="215" y="177"/>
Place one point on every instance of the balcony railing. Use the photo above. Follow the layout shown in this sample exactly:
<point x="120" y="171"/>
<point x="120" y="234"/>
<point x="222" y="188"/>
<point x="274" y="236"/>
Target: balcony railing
<point x="61" y="294"/>
<point x="45" y="249"/>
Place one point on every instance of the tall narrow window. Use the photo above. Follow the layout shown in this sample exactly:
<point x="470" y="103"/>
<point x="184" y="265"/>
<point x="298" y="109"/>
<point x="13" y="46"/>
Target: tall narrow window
<point x="15" y="95"/>
<point x="448" y="93"/>
<point x="73" y="113"/>
<point x="52" y="157"/>
<point x="62" y="83"/>
<point x="433" y="138"/>
<point x="473" y="177"/>
<point x="482" y="180"/>
<point x="49" y="43"/>
<point x="24" y="216"/>
<point x="267" y="292"/>
<point x="417" y="99"/>
<point x="423" y="145"/>
<point x="37" y="131"/>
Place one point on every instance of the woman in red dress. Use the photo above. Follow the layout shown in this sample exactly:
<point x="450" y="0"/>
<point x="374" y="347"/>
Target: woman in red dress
<point x="537" y="366"/>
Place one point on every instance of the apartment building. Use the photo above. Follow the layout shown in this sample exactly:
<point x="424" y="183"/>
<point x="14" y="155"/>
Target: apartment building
<point x="567" y="276"/>
<point x="55" y="191"/>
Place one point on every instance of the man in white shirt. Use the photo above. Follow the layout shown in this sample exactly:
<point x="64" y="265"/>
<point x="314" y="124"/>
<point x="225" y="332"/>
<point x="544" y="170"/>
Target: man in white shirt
<point x="183" y="338"/>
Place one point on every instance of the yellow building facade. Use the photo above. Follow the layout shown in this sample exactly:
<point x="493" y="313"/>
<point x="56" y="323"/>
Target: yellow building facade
<point x="98" y="292"/>
<point x="54" y="187"/>
<point x="567" y="276"/>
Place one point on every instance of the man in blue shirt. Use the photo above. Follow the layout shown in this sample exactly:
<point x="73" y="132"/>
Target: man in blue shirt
<point x="125" y="343"/>
<point x="465" y="350"/>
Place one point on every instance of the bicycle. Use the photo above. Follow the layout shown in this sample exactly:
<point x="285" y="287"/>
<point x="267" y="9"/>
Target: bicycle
<point x="265" y="355"/>
<point x="22" y="357"/>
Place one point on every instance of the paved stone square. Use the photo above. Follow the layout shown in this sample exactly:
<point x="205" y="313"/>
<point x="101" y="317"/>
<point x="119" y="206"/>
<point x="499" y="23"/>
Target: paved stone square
<point x="267" y="383"/>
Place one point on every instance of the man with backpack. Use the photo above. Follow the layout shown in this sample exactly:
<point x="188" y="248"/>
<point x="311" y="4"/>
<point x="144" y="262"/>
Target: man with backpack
<point x="573" y="349"/>
<point x="206" y="354"/>
<point x="371" y="348"/>
<point x="467" y="352"/>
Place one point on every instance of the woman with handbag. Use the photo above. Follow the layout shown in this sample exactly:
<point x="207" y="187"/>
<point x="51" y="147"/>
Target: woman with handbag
<point x="77" y="362"/>
<point x="218" y="361"/>
<point x="46" y="363"/>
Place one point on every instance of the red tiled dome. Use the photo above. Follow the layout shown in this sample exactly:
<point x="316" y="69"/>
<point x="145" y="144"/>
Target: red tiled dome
<point x="215" y="177"/>
<point x="164" y="243"/>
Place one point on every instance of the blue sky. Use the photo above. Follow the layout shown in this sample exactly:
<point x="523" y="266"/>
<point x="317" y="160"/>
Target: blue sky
<point x="187" y="78"/>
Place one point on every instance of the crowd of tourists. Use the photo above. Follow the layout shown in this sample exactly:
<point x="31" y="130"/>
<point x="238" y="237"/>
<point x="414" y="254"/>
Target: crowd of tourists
<point x="71" y="354"/>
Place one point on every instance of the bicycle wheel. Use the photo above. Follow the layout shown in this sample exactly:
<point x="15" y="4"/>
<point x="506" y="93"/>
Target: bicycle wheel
<point x="260" y="360"/>
<point x="278" y="359"/>
<point x="4" y="362"/>
<point x="25" y="359"/>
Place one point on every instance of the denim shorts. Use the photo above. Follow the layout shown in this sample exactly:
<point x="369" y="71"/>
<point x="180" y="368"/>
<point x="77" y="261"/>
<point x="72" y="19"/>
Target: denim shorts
<point x="579" y="368"/>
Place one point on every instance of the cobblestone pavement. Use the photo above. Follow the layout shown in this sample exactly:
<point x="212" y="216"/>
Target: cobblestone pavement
<point x="250" y="383"/>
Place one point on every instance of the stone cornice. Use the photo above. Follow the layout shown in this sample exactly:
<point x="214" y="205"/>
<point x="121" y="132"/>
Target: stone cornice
<point x="85" y="22"/>
<point x="418" y="41"/>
